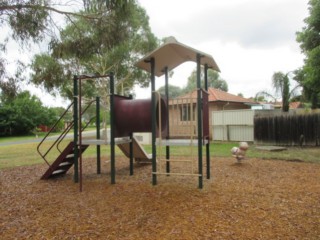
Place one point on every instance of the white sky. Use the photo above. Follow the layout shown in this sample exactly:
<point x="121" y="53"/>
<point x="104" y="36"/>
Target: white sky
<point x="249" y="39"/>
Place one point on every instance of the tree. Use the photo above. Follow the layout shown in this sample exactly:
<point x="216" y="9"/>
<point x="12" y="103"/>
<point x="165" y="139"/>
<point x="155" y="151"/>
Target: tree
<point x="24" y="114"/>
<point x="308" y="37"/>
<point x="214" y="81"/>
<point x="281" y="85"/>
<point x="34" y="21"/>
<point x="174" y="91"/>
<point x="113" y="42"/>
<point x="260" y="98"/>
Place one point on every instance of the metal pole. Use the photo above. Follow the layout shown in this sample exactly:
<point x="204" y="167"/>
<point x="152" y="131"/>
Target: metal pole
<point x="168" y="125"/>
<point x="199" y="109"/>
<point x="75" y="129"/>
<point x="80" y="136"/>
<point x="131" y="150"/>
<point x="131" y="154"/>
<point x="98" y="134"/>
<point x="112" y="133"/>
<point x="153" y="119"/>
<point x="208" y="138"/>
<point x="206" y="77"/>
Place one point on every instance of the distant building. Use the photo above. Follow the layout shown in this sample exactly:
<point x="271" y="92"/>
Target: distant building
<point x="277" y="105"/>
<point x="182" y="110"/>
<point x="296" y="105"/>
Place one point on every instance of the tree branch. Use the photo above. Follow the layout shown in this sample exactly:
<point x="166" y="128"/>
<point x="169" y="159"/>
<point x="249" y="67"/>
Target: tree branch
<point x="40" y="7"/>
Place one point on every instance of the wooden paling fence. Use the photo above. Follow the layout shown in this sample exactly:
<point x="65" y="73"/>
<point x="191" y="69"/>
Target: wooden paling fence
<point x="288" y="129"/>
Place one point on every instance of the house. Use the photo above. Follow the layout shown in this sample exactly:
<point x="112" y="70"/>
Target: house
<point x="182" y="110"/>
<point x="278" y="105"/>
<point x="220" y="100"/>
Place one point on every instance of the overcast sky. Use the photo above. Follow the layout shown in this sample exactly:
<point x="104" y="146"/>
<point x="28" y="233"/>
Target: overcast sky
<point x="249" y="39"/>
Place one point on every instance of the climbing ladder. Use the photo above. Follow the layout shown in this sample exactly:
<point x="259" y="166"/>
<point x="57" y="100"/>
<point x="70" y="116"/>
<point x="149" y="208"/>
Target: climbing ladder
<point x="63" y="162"/>
<point x="66" y="156"/>
<point x="184" y="136"/>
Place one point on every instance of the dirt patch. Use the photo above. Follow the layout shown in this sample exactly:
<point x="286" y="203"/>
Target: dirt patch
<point x="258" y="199"/>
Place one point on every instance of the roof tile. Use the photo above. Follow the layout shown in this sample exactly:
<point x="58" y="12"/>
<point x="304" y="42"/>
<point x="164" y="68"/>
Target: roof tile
<point x="217" y="95"/>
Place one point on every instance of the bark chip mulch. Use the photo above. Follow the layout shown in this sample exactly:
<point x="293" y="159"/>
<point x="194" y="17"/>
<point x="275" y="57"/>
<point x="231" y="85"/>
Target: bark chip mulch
<point x="258" y="199"/>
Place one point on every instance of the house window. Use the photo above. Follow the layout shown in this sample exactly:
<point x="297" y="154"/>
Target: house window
<point x="186" y="113"/>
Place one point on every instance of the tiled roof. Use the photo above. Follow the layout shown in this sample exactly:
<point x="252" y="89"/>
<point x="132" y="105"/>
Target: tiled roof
<point x="294" y="105"/>
<point x="217" y="95"/>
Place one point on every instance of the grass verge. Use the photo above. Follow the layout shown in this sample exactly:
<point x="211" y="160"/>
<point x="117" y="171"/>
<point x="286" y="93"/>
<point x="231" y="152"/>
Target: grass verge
<point x="26" y="154"/>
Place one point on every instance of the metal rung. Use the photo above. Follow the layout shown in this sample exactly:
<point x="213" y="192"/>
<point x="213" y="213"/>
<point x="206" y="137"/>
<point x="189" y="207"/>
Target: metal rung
<point x="58" y="172"/>
<point x="169" y="160"/>
<point x="178" y="174"/>
<point x="65" y="164"/>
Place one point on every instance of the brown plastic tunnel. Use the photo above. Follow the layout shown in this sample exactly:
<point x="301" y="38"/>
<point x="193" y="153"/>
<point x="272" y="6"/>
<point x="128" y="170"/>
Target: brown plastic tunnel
<point x="135" y="115"/>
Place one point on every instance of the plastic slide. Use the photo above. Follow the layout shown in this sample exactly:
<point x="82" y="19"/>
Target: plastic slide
<point x="139" y="154"/>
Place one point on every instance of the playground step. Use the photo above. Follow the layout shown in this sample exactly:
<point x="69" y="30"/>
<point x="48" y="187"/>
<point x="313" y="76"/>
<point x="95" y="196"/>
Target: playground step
<point x="63" y="162"/>
<point x="58" y="172"/>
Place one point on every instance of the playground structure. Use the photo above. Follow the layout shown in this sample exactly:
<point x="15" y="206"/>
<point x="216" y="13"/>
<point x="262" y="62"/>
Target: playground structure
<point x="129" y="115"/>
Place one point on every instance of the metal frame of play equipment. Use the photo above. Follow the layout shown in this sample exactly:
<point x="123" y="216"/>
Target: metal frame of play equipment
<point x="77" y="120"/>
<point x="160" y="62"/>
<point x="126" y="115"/>
<point x="184" y="132"/>
<point x="121" y="131"/>
<point x="69" y="155"/>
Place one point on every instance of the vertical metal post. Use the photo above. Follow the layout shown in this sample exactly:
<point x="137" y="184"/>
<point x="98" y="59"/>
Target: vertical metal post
<point x="208" y="138"/>
<point x="131" y="150"/>
<point x="153" y="119"/>
<point x="199" y="109"/>
<point x="98" y="134"/>
<point x="168" y="125"/>
<point x="206" y="77"/>
<point x="112" y="133"/>
<point x="75" y="129"/>
<point x="131" y="154"/>
<point x="80" y="137"/>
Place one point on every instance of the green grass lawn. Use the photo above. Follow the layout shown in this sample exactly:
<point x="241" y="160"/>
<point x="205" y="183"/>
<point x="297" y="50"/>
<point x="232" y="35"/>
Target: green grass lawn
<point x="20" y="138"/>
<point x="26" y="154"/>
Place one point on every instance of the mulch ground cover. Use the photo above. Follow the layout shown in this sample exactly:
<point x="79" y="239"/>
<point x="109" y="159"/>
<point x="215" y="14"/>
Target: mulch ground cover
<point x="258" y="199"/>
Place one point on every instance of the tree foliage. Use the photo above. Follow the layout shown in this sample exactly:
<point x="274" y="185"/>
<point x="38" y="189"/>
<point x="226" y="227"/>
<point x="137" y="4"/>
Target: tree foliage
<point x="308" y="37"/>
<point x="280" y="82"/>
<point x="174" y="91"/>
<point x="112" y="42"/>
<point x="281" y="86"/>
<point x="27" y="19"/>
<point x="35" y="20"/>
<point x="23" y="114"/>
<point x="214" y="81"/>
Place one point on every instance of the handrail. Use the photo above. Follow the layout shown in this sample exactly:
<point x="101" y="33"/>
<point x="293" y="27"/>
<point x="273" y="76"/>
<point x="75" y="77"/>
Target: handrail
<point x="71" y="125"/>
<point x="64" y="134"/>
<point x="51" y="130"/>
<point x="61" y="137"/>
